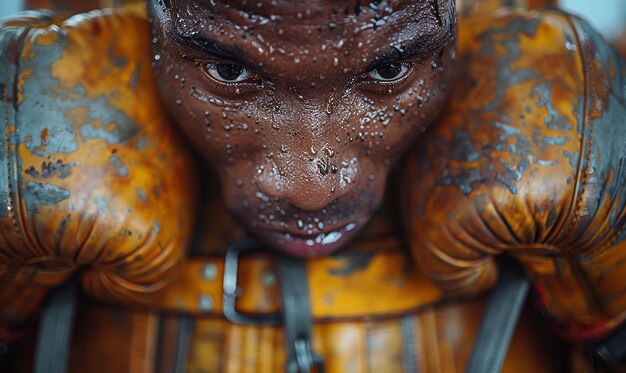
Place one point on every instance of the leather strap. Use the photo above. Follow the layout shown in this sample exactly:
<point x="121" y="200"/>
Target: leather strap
<point x="173" y="343"/>
<point x="613" y="348"/>
<point x="346" y="286"/>
<point x="55" y="331"/>
<point x="297" y="318"/>
<point x="500" y="319"/>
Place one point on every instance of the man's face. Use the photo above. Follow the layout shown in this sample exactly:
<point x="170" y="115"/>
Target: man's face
<point x="303" y="107"/>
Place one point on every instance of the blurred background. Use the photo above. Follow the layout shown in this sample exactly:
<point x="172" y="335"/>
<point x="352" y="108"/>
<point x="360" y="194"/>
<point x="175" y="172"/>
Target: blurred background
<point x="8" y="7"/>
<point x="608" y="16"/>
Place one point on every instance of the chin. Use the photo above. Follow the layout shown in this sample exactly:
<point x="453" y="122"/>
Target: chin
<point x="318" y="244"/>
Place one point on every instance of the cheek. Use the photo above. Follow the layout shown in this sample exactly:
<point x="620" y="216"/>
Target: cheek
<point x="222" y="131"/>
<point x="388" y="125"/>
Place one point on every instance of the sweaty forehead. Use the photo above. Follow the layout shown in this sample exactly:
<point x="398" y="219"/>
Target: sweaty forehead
<point x="304" y="11"/>
<point x="350" y="34"/>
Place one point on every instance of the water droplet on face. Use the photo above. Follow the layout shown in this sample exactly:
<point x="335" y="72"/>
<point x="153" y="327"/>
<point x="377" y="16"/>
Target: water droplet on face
<point x="179" y="102"/>
<point x="300" y="224"/>
<point x="239" y="183"/>
<point x="371" y="177"/>
<point x="319" y="238"/>
<point x="379" y="22"/>
<point x="262" y="197"/>
<point x="331" y="238"/>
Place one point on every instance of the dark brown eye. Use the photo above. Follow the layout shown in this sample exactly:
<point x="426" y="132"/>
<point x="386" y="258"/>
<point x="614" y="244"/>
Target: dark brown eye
<point x="389" y="72"/>
<point x="227" y="72"/>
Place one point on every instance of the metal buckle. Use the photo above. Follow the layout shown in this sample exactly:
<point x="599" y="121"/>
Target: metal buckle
<point x="231" y="290"/>
<point x="304" y="358"/>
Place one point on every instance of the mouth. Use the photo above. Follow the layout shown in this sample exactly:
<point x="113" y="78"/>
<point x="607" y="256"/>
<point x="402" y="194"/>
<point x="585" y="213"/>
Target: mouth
<point x="309" y="245"/>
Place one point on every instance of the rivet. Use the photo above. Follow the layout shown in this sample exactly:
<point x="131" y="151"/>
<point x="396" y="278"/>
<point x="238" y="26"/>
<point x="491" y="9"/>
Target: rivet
<point x="209" y="272"/>
<point x="269" y="278"/>
<point x="205" y="302"/>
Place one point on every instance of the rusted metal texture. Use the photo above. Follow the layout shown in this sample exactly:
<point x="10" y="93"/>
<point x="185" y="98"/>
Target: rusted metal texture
<point x="92" y="173"/>
<point x="528" y="160"/>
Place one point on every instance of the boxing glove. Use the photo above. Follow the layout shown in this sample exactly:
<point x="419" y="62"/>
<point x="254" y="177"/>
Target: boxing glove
<point x="93" y="176"/>
<point x="528" y="159"/>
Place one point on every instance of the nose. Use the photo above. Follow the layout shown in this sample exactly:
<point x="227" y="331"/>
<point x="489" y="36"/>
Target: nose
<point x="309" y="167"/>
<point x="309" y="179"/>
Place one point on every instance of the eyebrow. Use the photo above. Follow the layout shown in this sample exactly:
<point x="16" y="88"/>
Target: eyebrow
<point x="210" y="46"/>
<point x="418" y="47"/>
<point x="414" y="48"/>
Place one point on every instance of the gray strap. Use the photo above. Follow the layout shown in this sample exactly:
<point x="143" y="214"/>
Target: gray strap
<point x="499" y="321"/>
<point x="55" y="331"/>
<point x="173" y="342"/>
<point x="298" y="321"/>
<point x="613" y="349"/>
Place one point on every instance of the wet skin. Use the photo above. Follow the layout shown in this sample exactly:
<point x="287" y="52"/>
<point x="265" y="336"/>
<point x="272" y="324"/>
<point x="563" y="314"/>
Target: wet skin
<point x="302" y="107"/>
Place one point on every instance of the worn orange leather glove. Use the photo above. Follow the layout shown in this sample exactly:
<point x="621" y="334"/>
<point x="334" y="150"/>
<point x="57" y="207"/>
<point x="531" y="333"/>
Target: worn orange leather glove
<point x="528" y="159"/>
<point x="92" y="174"/>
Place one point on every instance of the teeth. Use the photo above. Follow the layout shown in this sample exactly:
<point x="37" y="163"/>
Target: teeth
<point x="350" y="227"/>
